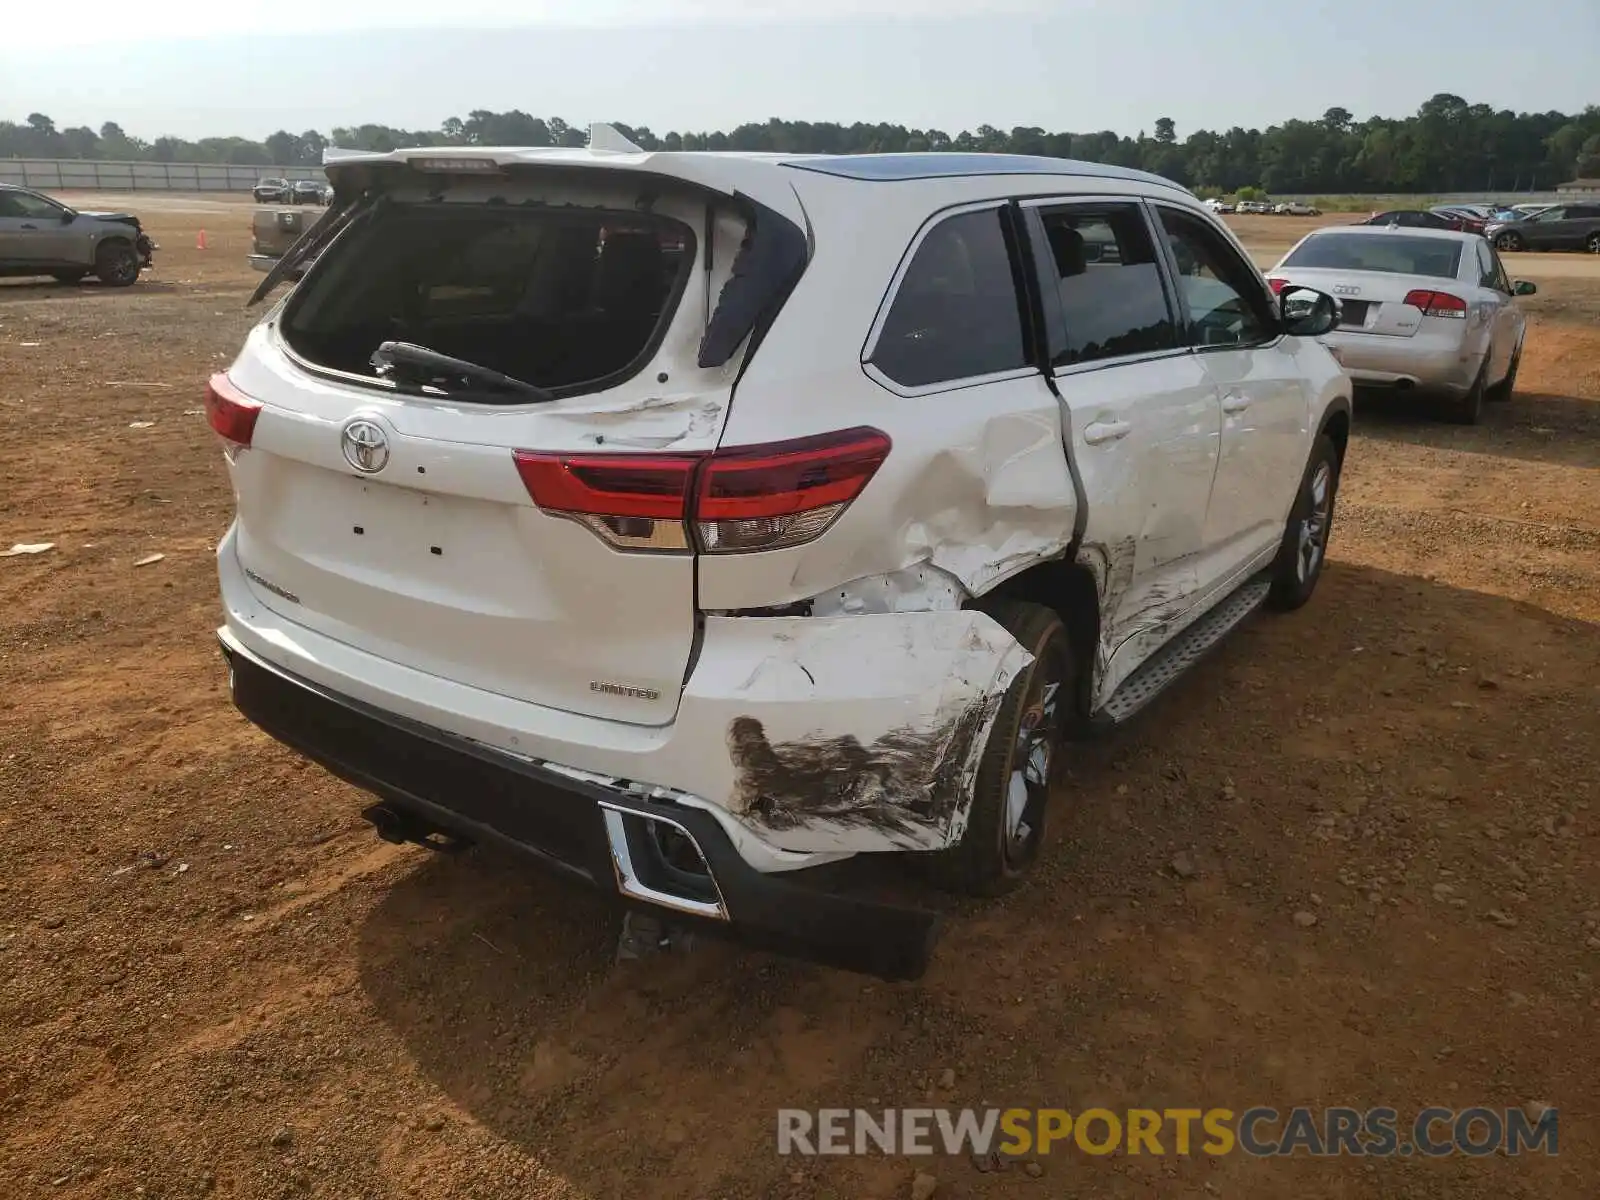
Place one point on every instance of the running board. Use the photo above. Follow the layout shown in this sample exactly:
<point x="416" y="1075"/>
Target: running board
<point x="1170" y="662"/>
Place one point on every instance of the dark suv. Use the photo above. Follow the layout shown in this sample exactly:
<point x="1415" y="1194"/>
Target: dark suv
<point x="1564" y="227"/>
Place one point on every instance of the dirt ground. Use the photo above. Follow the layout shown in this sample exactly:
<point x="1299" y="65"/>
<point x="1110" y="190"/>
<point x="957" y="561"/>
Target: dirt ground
<point x="214" y="980"/>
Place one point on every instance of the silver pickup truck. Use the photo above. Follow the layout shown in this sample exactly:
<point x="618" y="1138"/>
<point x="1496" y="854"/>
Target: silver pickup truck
<point x="41" y="236"/>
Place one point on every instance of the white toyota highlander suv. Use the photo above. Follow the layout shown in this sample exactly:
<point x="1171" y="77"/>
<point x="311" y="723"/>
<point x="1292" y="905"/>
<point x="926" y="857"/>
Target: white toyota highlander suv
<point x="692" y="522"/>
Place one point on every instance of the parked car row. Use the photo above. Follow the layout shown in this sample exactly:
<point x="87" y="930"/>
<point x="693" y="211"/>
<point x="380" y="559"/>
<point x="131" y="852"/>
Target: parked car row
<point x="1524" y="227"/>
<point x="1288" y="208"/>
<point x="297" y="191"/>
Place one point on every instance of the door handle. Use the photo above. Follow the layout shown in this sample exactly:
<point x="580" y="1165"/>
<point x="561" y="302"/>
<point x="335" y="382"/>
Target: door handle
<point x="1106" y="431"/>
<point x="30" y="227"/>
<point x="1234" y="402"/>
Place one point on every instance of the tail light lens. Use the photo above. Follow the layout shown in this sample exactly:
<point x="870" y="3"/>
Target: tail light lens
<point x="231" y="413"/>
<point x="772" y="497"/>
<point x="1277" y="285"/>
<point x="736" y="500"/>
<point x="1437" y="304"/>
<point x="633" y="501"/>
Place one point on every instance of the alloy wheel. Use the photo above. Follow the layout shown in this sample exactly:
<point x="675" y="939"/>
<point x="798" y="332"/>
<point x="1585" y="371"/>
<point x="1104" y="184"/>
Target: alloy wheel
<point x="1314" y="528"/>
<point x="1028" y="790"/>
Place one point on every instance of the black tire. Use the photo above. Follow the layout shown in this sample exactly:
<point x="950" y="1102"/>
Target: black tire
<point x="1304" y="548"/>
<point x="1508" y="241"/>
<point x="117" y="263"/>
<point x="1501" y="392"/>
<point x="1468" y="409"/>
<point x="68" y="277"/>
<point x="1004" y="834"/>
<point x="1592" y="245"/>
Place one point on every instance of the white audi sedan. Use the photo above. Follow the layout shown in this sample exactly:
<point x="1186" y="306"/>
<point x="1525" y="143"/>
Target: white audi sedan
<point x="1420" y="308"/>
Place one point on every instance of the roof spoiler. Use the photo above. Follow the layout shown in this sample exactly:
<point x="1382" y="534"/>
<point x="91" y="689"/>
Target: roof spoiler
<point x="609" y="140"/>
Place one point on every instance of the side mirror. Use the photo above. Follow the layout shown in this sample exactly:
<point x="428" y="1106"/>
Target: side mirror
<point x="1307" y="312"/>
<point x="1524" y="287"/>
<point x="68" y="216"/>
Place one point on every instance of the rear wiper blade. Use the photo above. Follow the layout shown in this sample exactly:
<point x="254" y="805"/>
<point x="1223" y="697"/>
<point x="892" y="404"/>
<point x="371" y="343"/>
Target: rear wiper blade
<point x="405" y="362"/>
<point x="311" y="241"/>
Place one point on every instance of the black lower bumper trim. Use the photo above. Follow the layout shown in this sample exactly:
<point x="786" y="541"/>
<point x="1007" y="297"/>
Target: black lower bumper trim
<point x="475" y="792"/>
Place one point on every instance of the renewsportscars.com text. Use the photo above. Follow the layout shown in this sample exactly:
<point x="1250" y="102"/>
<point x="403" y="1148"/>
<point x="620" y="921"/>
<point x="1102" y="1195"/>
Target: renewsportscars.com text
<point x="1259" y="1132"/>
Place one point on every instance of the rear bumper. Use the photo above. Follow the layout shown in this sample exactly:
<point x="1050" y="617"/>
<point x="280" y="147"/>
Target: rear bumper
<point x="1378" y="360"/>
<point x="576" y="827"/>
<point x="263" y="262"/>
<point x="805" y="738"/>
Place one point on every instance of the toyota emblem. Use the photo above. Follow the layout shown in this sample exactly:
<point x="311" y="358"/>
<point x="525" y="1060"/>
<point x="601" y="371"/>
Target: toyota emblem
<point x="366" y="446"/>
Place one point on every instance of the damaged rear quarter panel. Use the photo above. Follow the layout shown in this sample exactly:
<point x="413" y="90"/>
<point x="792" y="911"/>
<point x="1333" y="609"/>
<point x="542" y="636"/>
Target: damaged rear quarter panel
<point x="976" y="482"/>
<point x="856" y="733"/>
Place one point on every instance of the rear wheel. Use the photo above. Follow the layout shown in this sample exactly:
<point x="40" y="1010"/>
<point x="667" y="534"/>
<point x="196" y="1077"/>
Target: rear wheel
<point x="1005" y="826"/>
<point x="1593" y="244"/>
<point x="1305" y="539"/>
<point x="1501" y="391"/>
<point x="117" y="264"/>
<point x="1508" y="241"/>
<point x="1468" y="409"/>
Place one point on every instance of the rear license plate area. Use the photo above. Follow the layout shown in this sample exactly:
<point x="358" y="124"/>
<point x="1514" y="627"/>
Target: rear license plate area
<point x="392" y="525"/>
<point x="1354" y="312"/>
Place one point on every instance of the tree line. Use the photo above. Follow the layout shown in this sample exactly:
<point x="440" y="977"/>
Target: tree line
<point x="1449" y="145"/>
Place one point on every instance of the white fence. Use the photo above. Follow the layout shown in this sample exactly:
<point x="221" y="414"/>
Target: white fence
<point x="87" y="175"/>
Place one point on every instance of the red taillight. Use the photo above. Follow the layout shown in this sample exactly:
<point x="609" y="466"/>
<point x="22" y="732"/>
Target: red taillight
<point x="744" y="498"/>
<point x="1437" y="304"/>
<point x="634" y="501"/>
<point x="1277" y="285"/>
<point x="231" y="413"/>
<point x="770" y="497"/>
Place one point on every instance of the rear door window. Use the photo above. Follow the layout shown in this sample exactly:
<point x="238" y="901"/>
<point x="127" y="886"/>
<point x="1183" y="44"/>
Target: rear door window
<point x="957" y="314"/>
<point x="1487" y="275"/>
<point x="1101" y="262"/>
<point x="1501" y="279"/>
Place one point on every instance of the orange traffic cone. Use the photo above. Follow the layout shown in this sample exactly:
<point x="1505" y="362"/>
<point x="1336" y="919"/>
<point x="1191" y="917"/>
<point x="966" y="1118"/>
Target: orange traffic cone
<point x="200" y="242"/>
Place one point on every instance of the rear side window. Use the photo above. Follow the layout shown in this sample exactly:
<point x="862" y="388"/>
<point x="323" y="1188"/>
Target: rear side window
<point x="1105" y="273"/>
<point x="957" y="313"/>
<point x="1487" y="275"/>
<point x="1395" y="254"/>
<point x="568" y="300"/>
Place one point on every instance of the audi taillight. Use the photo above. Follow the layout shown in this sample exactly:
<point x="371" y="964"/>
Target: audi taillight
<point x="1437" y="304"/>
<point x="230" y="412"/>
<point x="1277" y="285"/>
<point x="742" y="498"/>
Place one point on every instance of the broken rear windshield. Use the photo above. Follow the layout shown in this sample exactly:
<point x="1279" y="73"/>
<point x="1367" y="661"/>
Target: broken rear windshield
<point x="1394" y="254"/>
<point x="570" y="300"/>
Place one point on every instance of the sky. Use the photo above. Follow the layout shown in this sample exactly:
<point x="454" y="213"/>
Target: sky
<point x="196" y="68"/>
